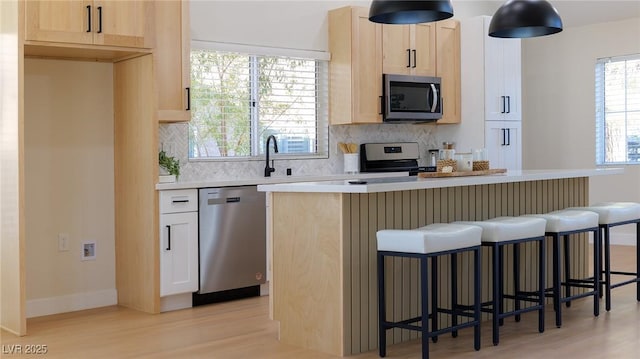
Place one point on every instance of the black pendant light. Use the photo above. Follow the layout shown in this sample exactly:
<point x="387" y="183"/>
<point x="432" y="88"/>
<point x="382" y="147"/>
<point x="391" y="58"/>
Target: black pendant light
<point x="525" y="18"/>
<point x="409" y="12"/>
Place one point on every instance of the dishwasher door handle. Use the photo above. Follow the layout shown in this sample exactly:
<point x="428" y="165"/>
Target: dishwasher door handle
<point x="224" y="200"/>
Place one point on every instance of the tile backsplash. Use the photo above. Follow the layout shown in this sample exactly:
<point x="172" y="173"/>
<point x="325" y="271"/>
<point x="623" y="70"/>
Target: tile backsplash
<point x="174" y="138"/>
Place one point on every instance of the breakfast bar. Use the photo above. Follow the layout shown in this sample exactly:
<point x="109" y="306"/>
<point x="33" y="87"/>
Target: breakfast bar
<point x="323" y="245"/>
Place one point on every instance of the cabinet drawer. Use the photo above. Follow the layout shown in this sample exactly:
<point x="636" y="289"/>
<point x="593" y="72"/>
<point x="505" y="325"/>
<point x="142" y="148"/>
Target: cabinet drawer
<point x="174" y="201"/>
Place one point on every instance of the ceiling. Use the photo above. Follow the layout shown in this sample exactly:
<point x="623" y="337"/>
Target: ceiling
<point x="585" y="12"/>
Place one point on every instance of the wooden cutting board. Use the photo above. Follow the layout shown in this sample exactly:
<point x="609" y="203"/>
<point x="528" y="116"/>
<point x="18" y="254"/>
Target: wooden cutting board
<point x="461" y="174"/>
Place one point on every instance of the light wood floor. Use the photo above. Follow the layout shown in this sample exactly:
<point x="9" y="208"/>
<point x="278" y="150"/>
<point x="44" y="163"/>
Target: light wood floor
<point x="241" y="329"/>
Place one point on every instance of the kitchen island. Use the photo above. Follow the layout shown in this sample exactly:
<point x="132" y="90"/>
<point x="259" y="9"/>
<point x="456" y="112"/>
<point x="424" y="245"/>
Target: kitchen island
<point x="323" y="246"/>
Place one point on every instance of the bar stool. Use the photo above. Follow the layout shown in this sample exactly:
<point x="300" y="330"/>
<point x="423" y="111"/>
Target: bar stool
<point x="564" y="223"/>
<point x="498" y="233"/>
<point x="425" y="243"/>
<point x="613" y="214"/>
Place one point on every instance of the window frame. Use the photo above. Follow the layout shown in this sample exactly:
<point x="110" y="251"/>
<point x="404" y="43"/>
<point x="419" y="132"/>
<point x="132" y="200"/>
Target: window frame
<point x="600" y="111"/>
<point x="322" y="99"/>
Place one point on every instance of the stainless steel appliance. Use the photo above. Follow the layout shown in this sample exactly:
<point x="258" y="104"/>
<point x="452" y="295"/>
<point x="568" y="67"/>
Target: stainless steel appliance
<point x="232" y="238"/>
<point x="411" y="98"/>
<point x="392" y="157"/>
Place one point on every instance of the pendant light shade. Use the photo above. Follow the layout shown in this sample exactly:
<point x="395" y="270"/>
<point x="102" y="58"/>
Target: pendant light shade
<point x="525" y="18"/>
<point x="409" y="12"/>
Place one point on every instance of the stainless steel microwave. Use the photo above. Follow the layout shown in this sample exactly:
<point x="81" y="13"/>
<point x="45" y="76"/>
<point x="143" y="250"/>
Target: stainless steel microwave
<point x="409" y="98"/>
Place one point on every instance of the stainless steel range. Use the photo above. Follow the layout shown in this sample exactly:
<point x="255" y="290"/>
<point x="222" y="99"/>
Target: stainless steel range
<point x="392" y="157"/>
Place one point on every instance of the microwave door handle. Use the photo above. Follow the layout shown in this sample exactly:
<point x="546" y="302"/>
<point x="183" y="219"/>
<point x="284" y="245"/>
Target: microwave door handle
<point x="434" y="92"/>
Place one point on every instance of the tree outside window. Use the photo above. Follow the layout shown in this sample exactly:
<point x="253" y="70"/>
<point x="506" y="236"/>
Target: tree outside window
<point x="239" y="100"/>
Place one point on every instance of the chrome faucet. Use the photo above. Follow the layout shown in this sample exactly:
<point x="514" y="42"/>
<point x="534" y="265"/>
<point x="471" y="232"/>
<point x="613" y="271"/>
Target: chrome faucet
<point x="267" y="169"/>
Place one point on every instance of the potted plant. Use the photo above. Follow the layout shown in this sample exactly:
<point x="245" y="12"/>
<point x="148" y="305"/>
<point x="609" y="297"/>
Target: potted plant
<point x="169" y="167"/>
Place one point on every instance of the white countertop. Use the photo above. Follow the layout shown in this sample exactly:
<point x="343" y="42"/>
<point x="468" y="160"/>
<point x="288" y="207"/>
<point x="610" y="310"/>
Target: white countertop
<point x="273" y="180"/>
<point x="402" y="183"/>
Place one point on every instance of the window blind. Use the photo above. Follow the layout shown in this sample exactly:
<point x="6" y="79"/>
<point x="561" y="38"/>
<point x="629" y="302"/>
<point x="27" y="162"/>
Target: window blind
<point x="240" y="99"/>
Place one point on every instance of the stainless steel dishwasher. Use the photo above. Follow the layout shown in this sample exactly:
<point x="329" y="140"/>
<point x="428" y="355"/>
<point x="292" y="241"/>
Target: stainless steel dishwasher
<point x="232" y="238"/>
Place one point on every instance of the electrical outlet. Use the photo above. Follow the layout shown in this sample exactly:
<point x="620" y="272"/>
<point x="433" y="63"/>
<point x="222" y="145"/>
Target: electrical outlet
<point x="169" y="147"/>
<point x="63" y="242"/>
<point x="88" y="251"/>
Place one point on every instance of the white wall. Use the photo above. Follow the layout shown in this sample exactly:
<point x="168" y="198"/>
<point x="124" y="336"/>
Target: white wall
<point x="287" y="24"/>
<point x="69" y="185"/>
<point x="559" y="102"/>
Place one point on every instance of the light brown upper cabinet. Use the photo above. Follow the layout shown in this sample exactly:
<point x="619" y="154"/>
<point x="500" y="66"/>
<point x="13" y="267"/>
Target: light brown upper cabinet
<point x="448" y="69"/>
<point x="355" y="68"/>
<point x="172" y="61"/>
<point x="84" y="22"/>
<point x="361" y="51"/>
<point x="409" y="49"/>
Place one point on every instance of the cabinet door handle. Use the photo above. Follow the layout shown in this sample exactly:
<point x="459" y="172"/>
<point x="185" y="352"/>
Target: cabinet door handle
<point x="168" y="237"/>
<point x="188" y="98"/>
<point x="415" y="59"/>
<point x="504" y="139"/>
<point x="89" y="18"/>
<point x="508" y="104"/>
<point x="508" y="137"/>
<point x="408" y="58"/>
<point x="504" y="104"/>
<point x="99" y="19"/>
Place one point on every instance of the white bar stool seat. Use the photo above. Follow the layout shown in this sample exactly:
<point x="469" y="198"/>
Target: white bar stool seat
<point x="427" y="243"/>
<point x="613" y="214"/>
<point x="564" y="223"/>
<point x="568" y="220"/>
<point x="498" y="233"/>
<point x="437" y="237"/>
<point x="503" y="229"/>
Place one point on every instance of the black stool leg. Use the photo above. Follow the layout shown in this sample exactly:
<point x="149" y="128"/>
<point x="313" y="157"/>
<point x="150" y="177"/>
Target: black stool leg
<point x="434" y="297"/>
<point x="567" y="269"/>
<point x="476" y="298"/>
<point x="607" y="267"/>
<point x="601" y="271"/>
<point x="638" y="261"/>
<point x="596" y="278"/>
<point x="495" y="306"/>
<point x="556" y="279"/>
<point x="454" y="292"/>
<point x="541" y="286"/>
<point x="425" y="308"/>
<point x="501" y="286"/>
<point x="516" y="278"/>
<point x="382" y="335"/>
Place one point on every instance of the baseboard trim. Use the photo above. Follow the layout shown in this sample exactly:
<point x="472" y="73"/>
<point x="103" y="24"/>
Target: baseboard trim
<point x="619" y="238"/>
<point x="176" y="302"/>
<point x="71" y="302"/>
<point x="623" y="239"/>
